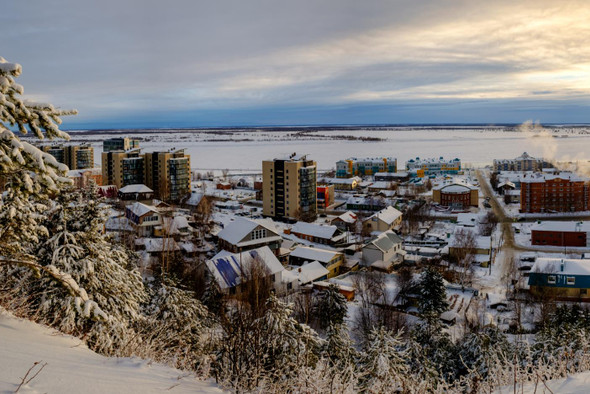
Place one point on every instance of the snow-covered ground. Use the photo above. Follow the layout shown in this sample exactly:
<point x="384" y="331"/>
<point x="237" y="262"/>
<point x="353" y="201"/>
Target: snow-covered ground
<point x="575" y="384"/>
<point x="245" y="150"/>
<point x="72" y="368"/>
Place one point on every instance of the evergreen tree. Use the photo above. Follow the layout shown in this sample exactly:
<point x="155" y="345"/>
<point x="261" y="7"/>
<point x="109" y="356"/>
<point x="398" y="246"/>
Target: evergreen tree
<point x="383" y="365"/>
<point x="174" y="326"/>
<point x="105" y="273"/>
<point x="433" y="296"/>
<point x="25" y="171"/>
<point x="330" y="308"/>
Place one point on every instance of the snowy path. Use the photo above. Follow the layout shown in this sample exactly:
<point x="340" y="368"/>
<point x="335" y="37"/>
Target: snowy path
<point x="73" y="368"/>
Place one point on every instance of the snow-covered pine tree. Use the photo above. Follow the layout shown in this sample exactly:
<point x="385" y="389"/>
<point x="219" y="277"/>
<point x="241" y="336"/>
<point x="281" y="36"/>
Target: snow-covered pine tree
<point x="330" y="307"/>
<point x="175" y="327"/>
<point x="433" y="296"/>
<point x="25" y="171"/>
<point x="103" y="271"/>
<point x="287" y="344"/>
<point x="382" y="365"/>
<point x="340" y="355"/>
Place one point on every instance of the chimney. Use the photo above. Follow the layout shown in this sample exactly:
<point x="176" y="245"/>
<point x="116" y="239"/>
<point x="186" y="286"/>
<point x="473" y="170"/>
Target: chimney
<point x="562" y="265"/>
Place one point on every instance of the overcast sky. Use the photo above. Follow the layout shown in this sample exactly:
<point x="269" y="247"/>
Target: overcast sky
<point x="202" y="63"/>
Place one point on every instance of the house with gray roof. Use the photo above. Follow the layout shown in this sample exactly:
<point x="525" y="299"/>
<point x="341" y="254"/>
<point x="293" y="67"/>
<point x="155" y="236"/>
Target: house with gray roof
<point x="385" y="250"/>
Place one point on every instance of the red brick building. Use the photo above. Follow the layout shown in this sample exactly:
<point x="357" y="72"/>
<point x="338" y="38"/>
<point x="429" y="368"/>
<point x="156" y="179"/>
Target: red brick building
<point x="563" y="192"/>
<point x="456" y="195"/>
<point x="560" y="234"/>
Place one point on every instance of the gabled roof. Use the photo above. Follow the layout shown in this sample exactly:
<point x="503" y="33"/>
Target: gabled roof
<point x="228" y="269"/>
<point x="235" y="231"/>
<point x="388" y="215"/>
<point x="386" y="241"/>
<point x="138" y="188"/>
<point x="348" y="217"/>
<point x="313" y="254"/>
<point x="139" y="209"/>
<point x="315" y="230"/>
<point x="311" y="271"/>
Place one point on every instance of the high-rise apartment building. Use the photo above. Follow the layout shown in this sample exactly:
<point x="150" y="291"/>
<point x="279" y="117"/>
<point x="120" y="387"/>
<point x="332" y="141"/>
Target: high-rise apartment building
<point x="76" y="157"/>
<point x="121" y="168"/>
<point x="168" y="174"/>
<point x="289" y="188"/>
<point x="117" y="144"/>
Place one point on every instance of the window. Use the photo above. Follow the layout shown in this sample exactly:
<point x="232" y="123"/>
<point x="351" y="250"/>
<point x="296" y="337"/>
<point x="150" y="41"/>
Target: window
<point x="551" y="279"/>
<point x="258" y="234"/>
<point x="272" y="277"/>
<point x="571" y="280"/>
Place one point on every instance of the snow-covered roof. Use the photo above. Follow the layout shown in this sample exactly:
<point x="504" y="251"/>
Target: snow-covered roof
<point x="235" y="231"/>
<point x="455" y="187"/>
<point x="562" y="226"/>
<point x="137" y="188"/>
<point x="313" y="254"/>
<point x="188" y="247"/>
<point x="229" y="269"/>
<point x="542" y="177"/>
<point x="388" y="215"/>
<point x="386" y="241"/>
<point x="118" y="224"/>
<point x="380" y="185"/>
<point x="348" y="217"/>
<point x="343" y="181"/>
<point x="561" y="266"/>
<point x="156" y="245"/>
<point x="140" y="209"/>
<point x="311" y="271"/>
<point x="315" y="230"/>
<point x="467" y="219"/>
<point x="195" y="198"/>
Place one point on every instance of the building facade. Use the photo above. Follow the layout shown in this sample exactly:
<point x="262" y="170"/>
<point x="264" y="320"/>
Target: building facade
<point x="524" y="162"/>
<point x="116" y="163"/>
<point x="168" y="174"/>
<point x="562" y="192"/>
<point x="456" y="195"/>
<point x="325" y="196"/>
<point x="425" y="167"/>
<point x="365" y="166"/>
<point x="289" y="188"/>
<point x="76" y="157"/>
<point x="574" y="234"/>
<point x="117" y="144"/>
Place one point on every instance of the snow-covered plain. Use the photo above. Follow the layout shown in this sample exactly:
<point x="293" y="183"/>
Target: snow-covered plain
<point x="73" y="368"/>
<point x="245" y="149"/>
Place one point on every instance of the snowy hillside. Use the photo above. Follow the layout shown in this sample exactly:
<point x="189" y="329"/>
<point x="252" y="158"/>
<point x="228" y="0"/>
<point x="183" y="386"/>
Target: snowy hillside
<point x="73" y="368"/>
<point x="575" y="384"/>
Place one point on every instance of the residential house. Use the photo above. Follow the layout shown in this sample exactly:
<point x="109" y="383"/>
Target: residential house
<point x="244" y="234"/>
<point x="386" y="219"/>
<point x="138" y="192"/>
<point x="231" y="271"/>
<point x="385" y="250"/>
<point x="144" y="218"/>
<point x="321" y="234"/>
<point x="331" y="260"/>
<point x="346" y="221"/>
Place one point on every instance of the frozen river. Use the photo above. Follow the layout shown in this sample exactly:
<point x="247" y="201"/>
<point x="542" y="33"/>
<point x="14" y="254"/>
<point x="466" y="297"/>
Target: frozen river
<point x="245" y="149"/>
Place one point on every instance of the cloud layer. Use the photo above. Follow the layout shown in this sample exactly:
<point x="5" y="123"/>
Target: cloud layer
<point x="184" y="63"/>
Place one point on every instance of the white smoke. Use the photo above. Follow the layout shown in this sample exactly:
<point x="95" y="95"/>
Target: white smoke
<point x="544" y="139"/>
